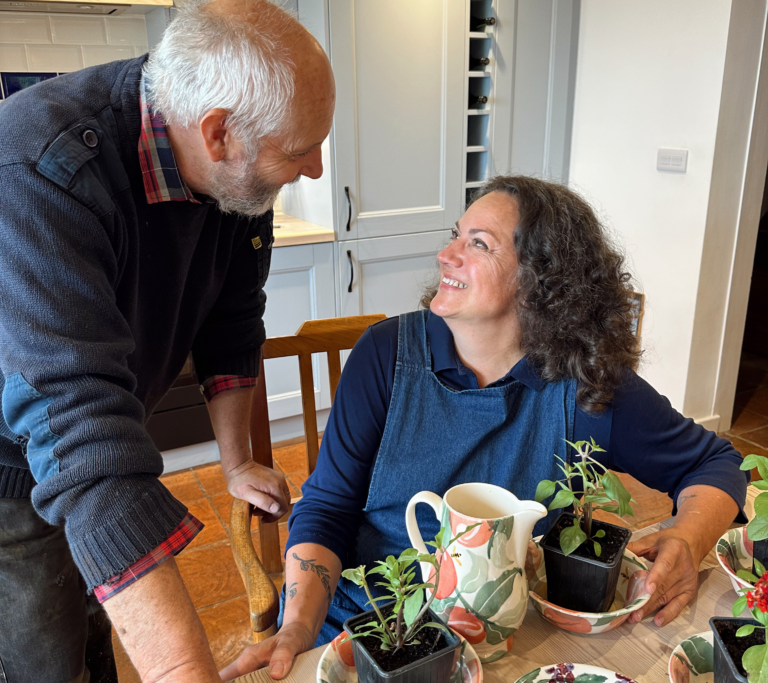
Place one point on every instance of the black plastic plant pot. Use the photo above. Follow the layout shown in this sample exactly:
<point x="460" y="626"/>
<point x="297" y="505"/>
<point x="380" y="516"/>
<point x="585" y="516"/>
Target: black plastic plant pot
<point x="760" y="553"/>
<point x="582" y="584"/>
<point x="728" y="647"/>
<point x="436" y="667"/>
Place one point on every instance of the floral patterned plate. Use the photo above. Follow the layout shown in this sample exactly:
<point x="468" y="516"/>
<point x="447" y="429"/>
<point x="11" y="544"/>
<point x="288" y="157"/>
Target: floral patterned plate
<point x="693" y="660"/>
<point x="337" y="665"/>
<point x="573" y="673"/>
<point x="630" y="595"/>
<point x="734" y="552"/>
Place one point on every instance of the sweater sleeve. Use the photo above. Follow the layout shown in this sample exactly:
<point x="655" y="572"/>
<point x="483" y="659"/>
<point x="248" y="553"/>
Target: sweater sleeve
<point x="229" y="341"/>
<point x="68" y="389"/>
<point x="335" y="493"/>
<point x="655" y="444"/>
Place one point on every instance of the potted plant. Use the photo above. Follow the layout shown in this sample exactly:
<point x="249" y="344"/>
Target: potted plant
<point x="757" y="529"/>
<point x="739" y="644"/>
<point x="403" y="641"/>
<point x="582" y="556"/>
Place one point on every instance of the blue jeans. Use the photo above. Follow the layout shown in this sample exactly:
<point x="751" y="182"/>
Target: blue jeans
<point x="50" y="629"/>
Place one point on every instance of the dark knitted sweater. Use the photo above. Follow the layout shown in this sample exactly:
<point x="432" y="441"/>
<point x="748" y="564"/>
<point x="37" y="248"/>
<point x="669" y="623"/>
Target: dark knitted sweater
<point x="102" y="296"/>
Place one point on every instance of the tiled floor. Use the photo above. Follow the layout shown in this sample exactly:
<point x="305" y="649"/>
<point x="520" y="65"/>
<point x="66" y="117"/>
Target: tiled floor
<point x="209" y="570"/>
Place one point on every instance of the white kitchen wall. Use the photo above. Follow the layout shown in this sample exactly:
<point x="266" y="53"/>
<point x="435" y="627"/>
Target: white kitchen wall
<point x="649" y="75"/>
<point x="60" y="43"/>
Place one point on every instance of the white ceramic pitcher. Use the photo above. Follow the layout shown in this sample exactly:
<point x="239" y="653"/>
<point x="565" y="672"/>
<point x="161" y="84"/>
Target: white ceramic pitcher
<point x="483" y="593"/>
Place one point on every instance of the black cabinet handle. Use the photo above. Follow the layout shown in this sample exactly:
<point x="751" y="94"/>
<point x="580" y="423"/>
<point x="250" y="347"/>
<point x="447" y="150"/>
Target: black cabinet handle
<point x="352" y="271"/>
<point x="349" y="215"/>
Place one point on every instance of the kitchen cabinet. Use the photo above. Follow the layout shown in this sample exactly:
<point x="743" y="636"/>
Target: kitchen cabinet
<point x="301" y="286"/>
<point x="387" y="274"/>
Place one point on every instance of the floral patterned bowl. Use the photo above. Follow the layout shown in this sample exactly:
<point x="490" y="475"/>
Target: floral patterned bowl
<point x="734" y="552"/>
<point x="573" y="673"/>
<point x="337" y="664"/>
<point x="693" y="660"/>
<point x="630" y="595"/>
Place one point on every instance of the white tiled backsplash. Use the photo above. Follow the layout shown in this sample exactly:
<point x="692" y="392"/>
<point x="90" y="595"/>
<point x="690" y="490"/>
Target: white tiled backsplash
<point x="59" y="43"/>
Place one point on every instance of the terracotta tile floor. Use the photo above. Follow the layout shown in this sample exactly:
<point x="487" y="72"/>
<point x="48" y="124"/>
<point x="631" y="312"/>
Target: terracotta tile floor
<point x="209" y="570"/>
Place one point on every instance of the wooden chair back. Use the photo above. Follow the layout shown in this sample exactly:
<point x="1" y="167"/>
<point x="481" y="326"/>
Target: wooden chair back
<point x="329" y="336"/>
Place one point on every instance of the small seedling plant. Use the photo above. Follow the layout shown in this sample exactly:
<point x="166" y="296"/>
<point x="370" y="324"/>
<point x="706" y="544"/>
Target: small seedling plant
<point x="757" y="529"/>
<point x="755" y="597"/>
<point x="602" y="490"/>
<point x="398" y="579"/>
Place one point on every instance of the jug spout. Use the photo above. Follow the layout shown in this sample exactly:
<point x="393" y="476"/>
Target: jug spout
<point x="525" y="520"/>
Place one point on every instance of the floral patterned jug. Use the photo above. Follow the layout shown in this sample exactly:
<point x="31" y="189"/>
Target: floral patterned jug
<point x="483" y="593"/>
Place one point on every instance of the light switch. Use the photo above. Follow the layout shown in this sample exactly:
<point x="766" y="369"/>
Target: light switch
<point x="672" y="160"/>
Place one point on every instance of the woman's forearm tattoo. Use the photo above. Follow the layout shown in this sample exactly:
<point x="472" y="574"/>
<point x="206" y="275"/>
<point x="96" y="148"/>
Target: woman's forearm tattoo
<point x="292" y="590"/>
<point x="320" y="570"/>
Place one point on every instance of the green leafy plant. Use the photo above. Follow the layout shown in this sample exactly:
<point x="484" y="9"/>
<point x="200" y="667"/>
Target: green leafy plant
<point x="602" y="490"/>
<point x="755" y="597"/>
<point x="757" y="529"/>
<point x="398" y="576"/>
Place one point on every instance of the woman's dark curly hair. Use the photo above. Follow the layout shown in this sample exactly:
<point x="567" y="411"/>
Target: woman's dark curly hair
<point x="574" y="296"/>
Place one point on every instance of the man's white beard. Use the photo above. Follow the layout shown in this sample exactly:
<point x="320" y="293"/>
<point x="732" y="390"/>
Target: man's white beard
<point x="237" y="188"/>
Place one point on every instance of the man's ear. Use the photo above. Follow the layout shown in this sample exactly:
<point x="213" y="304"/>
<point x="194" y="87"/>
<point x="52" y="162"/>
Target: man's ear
<point x="213" y="128"/>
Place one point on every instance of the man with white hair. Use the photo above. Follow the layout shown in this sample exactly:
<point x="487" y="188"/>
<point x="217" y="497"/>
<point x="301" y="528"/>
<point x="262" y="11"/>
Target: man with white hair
<point x="136" y="226"/>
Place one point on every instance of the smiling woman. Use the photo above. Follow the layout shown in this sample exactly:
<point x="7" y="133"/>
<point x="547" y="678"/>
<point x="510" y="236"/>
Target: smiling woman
<point x="525" y="342"/>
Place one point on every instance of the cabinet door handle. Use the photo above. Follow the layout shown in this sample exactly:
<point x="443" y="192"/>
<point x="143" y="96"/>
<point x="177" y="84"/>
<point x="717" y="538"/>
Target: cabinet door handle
<point x="349" y="204"/>
<point x="351" y="269"/>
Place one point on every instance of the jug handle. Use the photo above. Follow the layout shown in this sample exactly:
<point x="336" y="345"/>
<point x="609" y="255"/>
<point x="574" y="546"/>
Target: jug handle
<point x="414" y="534"/>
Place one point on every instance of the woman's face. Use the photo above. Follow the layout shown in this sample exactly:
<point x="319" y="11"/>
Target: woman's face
<point x="478" y="268"/>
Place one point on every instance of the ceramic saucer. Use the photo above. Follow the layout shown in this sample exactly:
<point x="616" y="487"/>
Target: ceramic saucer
<point x="573" y="673"/>
<point x="630" y="595"/>
<point x="734" y="552"/>
<point x="693" y="660"/>
<point x="337" y="665"/>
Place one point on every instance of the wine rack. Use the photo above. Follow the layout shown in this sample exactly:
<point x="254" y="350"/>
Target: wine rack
<point x="481" y="27"/>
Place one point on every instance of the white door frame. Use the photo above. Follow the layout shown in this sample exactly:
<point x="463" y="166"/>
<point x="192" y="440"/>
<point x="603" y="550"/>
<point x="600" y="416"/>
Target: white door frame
<point x="733" y="214"/>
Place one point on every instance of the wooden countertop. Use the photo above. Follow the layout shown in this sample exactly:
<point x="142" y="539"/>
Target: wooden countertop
<point x="290" y="231"/>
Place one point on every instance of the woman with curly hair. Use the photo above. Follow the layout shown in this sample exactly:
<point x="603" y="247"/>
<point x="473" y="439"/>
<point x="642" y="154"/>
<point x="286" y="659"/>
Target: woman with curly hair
<point x="526" y="341"/>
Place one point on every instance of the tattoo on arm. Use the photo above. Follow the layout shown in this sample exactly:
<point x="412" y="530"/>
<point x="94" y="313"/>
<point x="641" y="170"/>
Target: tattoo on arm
<point x="682" y="499"/>
<point x="292" y="590"/>
<point x="320" y="570"/>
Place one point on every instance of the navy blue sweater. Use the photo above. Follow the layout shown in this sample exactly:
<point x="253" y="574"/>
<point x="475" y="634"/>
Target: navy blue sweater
<point x="102" y="296"/>
<point x="642" y="433"/>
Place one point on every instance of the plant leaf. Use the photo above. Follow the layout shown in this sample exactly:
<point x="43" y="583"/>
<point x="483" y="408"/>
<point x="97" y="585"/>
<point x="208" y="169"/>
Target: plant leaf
<point x="746" y="630"/>
<point x="571" y="538"/>
<point x="412" y="606"/>
<point x="759" y="567"/>
<point x="759" y="461"/>
<point x="598" y="549"/>
<point x="739" y="606"/>
<point x="616" y="491"/>
<point x="544" y="490"/>
<point x="599" y="534"/>
<point x="753" y="660"/>
<point x="563" y="499"/>
<point x="747" y="575"/>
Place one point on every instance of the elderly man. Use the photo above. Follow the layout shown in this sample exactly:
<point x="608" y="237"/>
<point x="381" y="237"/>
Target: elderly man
<point x="136" y="226"/>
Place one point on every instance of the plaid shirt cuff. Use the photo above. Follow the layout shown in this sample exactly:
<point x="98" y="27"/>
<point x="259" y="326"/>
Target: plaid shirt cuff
<point x="180" y="537"/>
<point x="215" y="384"/>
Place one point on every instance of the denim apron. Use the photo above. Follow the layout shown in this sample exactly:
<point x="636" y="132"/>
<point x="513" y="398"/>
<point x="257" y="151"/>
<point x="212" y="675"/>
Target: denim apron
<point x="436" y="437"/>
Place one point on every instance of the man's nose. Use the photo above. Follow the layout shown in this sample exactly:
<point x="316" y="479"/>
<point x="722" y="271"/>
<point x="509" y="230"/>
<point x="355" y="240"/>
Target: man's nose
<point x="314" y="165"/>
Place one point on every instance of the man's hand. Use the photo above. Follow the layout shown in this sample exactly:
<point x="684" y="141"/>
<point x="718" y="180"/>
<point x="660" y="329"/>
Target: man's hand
<point x="674" y="577"/>
<point x="264" y="488"/>
<point x="278" y="652"/>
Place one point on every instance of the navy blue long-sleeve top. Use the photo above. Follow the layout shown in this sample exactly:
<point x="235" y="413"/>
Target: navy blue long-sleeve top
<point x="641" y="431"/>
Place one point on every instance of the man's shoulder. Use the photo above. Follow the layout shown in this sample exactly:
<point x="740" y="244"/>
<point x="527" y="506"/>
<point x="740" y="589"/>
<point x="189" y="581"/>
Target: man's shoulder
<point x="34" y="118"/>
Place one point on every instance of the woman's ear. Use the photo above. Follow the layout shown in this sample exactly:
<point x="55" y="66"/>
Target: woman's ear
<point x="213" y="129"/>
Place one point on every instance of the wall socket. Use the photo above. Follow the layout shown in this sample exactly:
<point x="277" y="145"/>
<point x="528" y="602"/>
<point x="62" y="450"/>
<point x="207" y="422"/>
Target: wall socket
<point x="672" y="160"/>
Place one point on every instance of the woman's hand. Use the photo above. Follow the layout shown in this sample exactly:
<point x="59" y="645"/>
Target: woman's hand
<point x="278" y="652"/>
<point x="674" y="577"/>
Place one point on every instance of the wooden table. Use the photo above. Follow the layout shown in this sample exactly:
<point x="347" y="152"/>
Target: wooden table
<point x="641" y="651"/>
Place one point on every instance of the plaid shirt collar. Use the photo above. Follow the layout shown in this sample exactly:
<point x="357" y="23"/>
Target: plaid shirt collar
<point x="162" y="180"/>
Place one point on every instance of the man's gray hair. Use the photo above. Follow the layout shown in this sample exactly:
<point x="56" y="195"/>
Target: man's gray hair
<point x="206" y="60"/>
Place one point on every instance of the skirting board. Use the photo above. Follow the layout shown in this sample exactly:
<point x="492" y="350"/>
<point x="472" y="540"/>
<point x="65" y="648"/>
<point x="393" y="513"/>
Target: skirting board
<point x="203" y="453"/>
<point x="712" y="423"/>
